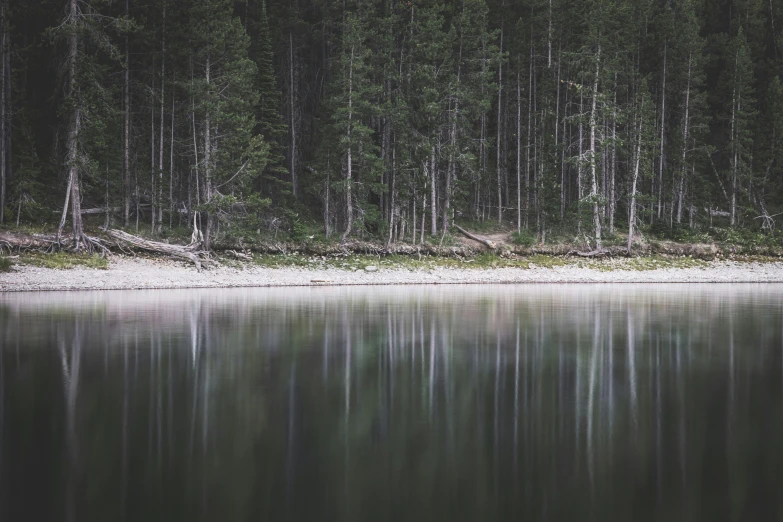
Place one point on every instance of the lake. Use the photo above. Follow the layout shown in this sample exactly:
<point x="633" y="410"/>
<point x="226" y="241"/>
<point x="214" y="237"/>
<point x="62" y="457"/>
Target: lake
<point x="481" y="403"/>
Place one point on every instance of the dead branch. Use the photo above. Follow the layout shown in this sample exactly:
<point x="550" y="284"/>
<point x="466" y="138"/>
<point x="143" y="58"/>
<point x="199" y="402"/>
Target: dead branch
<point x="484" y="241"/>
<point x="193" y="252"/>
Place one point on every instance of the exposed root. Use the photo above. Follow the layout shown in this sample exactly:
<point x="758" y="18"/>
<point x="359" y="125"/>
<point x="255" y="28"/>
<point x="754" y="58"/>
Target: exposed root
<point x="193" y="252"/>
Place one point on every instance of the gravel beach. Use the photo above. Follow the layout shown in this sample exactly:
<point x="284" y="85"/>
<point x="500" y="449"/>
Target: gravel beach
<point x="125" y="273"/>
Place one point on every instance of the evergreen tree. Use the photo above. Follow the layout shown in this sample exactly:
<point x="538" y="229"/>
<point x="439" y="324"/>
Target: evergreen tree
<point x="225" y="98"/>
<point x="269" y="121"/>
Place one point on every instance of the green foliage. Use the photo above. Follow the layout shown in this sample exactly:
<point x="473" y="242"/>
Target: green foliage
<point x="5" y="264"/>
<point x="64" y="260"/>
<point x="523" y="238"/>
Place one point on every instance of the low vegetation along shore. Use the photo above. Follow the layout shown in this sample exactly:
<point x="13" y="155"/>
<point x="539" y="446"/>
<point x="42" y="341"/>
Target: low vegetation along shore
<point x="28" y="264"/>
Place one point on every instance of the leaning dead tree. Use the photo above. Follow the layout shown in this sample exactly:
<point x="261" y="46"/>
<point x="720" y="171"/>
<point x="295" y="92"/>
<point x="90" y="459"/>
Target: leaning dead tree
<point x="193" y="252"/>
<point x="484" y="241"/>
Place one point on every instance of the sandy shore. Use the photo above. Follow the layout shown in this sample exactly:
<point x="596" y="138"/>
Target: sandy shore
<point x="138" y="273"/>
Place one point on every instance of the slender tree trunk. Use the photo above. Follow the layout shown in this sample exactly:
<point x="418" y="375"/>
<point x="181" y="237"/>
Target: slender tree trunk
<point x="162" y="119"/>
<point x="208" y="161"/>
<point x="153" y="168"/>
<point x="632" y="210"/>
<point x="686" y="123"/>
<point x="126" y="132"/>
<point x="557" y="138"/>
<point x="594" y="181"/>
<point x="519" y="154"/>
<point x="529" y="135"/>
<point x="579" y="188"/>
<point x="349" y="173"/>
<point x="4" y="128"/>
<point x="73" y="131"/>
<point x="292" y="122"/>
<point x="734" y="105"/>
<point x="663" y="130"/>
<point x="500" y="114"/>
<point x="171" y="164"/>
<point x="433" y="194"/>
<point x="613" y="163"/>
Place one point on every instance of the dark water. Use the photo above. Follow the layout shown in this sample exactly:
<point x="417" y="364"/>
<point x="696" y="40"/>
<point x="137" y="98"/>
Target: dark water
<point x="605" y="403"/>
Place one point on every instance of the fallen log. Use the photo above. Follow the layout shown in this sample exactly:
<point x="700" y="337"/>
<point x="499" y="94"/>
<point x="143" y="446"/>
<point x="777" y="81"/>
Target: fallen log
<point x="193" y="252"/>
<point x="17" y="241"/>
<point x="484" y="241"/>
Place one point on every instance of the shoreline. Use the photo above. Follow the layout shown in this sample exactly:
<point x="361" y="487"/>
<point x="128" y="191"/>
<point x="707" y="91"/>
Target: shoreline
<point x="126" y="273"/>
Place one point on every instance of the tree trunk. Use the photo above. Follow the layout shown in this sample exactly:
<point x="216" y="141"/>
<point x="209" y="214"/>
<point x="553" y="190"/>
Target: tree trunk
<point x="291" y="95"/>
<point x="686" y="123"/>
<point x="529" y="136"/>
<point x="499" y="145"/>
<point x="663" y="129"/>
<point x="632" y="210"/>
<point x="433" y="194"/>
<point x="73" y="132"/>
<point x="4" y="129"/>
<point x="594" y="180"/>
<point x="208" y="163"/>
<point x="126" y="132"/>
<point x="613" y="163"/>
<point x="160" y="134"/>
<point x="171" y="164"/>
<point x="519" y="154"/>
<point x="349" y="173"/>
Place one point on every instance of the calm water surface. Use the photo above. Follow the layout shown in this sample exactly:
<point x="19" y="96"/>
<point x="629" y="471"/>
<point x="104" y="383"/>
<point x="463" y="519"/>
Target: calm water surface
<point x="547" y="402"/>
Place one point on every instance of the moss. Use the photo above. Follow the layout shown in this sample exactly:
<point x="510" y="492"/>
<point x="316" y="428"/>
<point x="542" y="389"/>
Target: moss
<point x="64" y="260"/>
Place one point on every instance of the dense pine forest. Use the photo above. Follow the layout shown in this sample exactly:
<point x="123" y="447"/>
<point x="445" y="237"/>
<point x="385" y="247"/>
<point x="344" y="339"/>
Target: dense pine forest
<point x="392" y="120"/>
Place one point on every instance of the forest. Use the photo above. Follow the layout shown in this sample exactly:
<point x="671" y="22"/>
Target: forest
<point x="392" y="120"/>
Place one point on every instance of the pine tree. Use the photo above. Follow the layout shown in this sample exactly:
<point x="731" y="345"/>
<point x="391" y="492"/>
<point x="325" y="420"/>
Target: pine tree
<point x="269" y="121"/>
<point x="225" y="98"/>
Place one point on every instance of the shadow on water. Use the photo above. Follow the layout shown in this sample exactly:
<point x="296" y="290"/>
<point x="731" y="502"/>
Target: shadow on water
<point x="418" y="403"/>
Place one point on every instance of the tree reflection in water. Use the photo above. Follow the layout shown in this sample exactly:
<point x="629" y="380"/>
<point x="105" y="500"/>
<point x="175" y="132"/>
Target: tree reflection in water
<point x="426" y="403"/>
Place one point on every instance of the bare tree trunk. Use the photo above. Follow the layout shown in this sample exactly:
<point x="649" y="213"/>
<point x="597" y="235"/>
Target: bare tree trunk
<point x="292" y="122"/>
<point x="613" y="163"/>
<point x="519" y="154"/>
<point x="499" y="145"/>
<point x="327" y="229"/>
<point x="208" y="163"/>
<point x="162" y="140"/>
<point x="579" y="188"/>
<point x="4" y="129"/>
<point x="433" y="194"/>
<point x="529" y="136"/>
<point x="734" y="104"/>
<point x="557" y="138"/>
<point x="152" y="157"/>
<point x="171" y="164"/>
<point x="686" y="123"/>
<point x="632" y="210"/>
<point x="126" y="132"/>
<point x="349" y="173"/>
<point x="594" y="181"/>
<point x="663" y="129"/>
<point x="73" y="131"/>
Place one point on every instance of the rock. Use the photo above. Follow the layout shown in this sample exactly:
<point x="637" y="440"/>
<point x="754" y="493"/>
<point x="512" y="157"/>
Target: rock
<point x="371" y="268"/>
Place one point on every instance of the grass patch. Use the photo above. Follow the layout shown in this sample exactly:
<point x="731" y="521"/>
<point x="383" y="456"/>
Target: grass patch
<point x="64" y="260"/>
<point x="5" y="264"/>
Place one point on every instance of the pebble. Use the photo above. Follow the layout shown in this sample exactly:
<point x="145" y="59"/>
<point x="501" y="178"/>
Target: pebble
<point x="130" y="273"/>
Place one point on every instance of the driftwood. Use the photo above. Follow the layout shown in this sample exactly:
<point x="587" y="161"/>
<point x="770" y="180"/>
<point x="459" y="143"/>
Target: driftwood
<point x="484" y="241"/>
<point x="193" y="252"/>
<point x="15" y="241"/>
<point x="241" y="256"/>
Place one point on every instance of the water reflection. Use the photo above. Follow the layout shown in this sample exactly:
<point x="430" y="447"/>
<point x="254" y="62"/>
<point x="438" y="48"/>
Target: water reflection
<point x="461" y="403"/>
